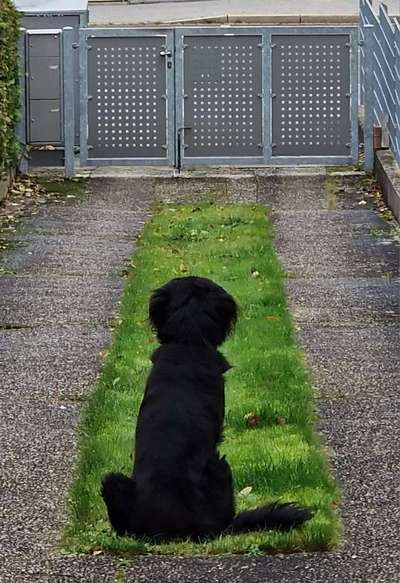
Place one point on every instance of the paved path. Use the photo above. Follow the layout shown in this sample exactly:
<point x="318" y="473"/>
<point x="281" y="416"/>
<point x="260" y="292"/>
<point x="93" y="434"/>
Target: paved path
<point x="55" y="313"/>
<point x="167" y="11"/>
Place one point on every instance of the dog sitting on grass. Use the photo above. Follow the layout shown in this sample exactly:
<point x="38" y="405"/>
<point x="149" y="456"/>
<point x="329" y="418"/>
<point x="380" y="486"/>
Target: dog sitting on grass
<point x="180" y="486"/>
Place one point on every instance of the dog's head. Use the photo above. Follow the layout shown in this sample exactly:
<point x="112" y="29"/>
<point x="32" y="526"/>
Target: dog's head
<point x="192" y="310"/>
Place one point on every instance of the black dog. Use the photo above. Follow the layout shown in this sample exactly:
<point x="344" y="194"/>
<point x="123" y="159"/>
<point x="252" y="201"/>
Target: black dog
<point x="180" y="486"/>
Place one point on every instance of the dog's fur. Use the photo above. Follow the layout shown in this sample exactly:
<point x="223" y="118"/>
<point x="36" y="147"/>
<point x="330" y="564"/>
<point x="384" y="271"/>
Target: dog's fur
<point x="180" y="486"/>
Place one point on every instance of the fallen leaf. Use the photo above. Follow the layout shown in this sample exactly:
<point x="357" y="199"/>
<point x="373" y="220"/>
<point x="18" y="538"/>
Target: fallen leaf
<point x="246" y="491"/>
<point x="252" y="420"/>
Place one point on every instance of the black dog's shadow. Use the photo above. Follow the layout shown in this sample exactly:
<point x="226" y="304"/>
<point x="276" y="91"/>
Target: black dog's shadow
<point x="181" y="488"/>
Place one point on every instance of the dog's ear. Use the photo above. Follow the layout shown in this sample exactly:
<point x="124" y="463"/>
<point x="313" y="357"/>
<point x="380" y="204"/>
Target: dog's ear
<point x="158" y="308"/>
<point x="226" y="313"/>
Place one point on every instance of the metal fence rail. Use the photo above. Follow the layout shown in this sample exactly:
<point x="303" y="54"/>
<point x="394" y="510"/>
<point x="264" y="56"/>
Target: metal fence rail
<point x="379" y="76"/>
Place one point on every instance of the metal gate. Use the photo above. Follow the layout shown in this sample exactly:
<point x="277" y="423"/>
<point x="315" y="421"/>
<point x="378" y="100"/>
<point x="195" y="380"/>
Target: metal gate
<point x="128" y="87"/>
<point x="219" y="95"/>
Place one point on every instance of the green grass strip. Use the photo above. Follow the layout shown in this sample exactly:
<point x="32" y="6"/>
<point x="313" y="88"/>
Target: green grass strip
<point x="281" y="457"/>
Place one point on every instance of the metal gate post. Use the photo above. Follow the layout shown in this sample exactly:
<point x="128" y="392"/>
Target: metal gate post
<point x="68" y="101"/>
<point x="267" y="95"/>
<point x="369" y="97"/>
<point x="354" y="89"/>
<point x="23" y="165"/>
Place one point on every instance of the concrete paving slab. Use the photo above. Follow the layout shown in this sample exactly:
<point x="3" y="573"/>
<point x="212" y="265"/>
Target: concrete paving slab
<point x="58" y="300"/>
<point x="306" y="192"/>
<point x="341" y="302"/>
<point x="51" y="363"/>
<point x="334" y="243"/>
<point x="126" y="192"/>
<point x="64" y="570"/>
<point x="353" y="362"/>
<point x="347" y="566"/>
<point x="38" y="445"/>
<point x="377" y="444"/>
<point x="86" y="220"/>
<point x="68" y="255"/>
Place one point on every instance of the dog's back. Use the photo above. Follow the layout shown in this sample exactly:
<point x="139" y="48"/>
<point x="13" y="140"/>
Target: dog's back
<point x="179" y="425"/>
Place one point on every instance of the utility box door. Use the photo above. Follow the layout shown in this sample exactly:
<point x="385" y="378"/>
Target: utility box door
<point x="44" y="78"/>
<point x="45" y="121"/>
<point x="44" y="45"/>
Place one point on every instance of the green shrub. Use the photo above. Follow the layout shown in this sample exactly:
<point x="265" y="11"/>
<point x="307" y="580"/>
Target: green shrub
<point x="9" y="90"/>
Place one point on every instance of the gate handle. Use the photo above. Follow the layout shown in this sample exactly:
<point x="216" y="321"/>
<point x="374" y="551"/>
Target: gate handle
<point x="166" y="53"/>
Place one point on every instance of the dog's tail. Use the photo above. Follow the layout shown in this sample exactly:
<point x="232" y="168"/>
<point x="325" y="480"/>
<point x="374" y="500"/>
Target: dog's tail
<point x="276" y="516"/>
<point x="119" y="493"/>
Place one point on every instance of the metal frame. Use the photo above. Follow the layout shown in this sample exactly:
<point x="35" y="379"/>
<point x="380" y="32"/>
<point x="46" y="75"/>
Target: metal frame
<point x="68" y="100"/>
<point x="85" y="35"/>
<point x="174" y="41"/>
<point x="21" y="130"/>
<point x="180" y="34"/>
<point x="266" y="34"/>
<point x="380" y="64"/>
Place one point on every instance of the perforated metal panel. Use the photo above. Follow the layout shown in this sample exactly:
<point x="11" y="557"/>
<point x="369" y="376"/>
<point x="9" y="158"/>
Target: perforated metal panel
<point x="222" y="92"/>
<point x="127" y="115"/>
<point x="311" y="95"/>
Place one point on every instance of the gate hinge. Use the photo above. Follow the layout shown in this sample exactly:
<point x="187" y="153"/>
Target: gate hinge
<point x="260" y="146"/>
<point x="348" y="45"/>
<point x="260" y="45"/>
<point x="348" y="145"/>
<point x="273" y="45"/>
<point x="75" y="45"/>
<point x="348" y="95"/>
<point x="164" y="146"/>
<point x="273" y="145"/>
<point x="89" y="97"/>
<point x="273" y="95"/>
<point x="164" y="97"/>
<point x="260" y="95"/>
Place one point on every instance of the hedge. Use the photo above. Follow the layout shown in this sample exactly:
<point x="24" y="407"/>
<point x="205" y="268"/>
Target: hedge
<point x="9" y="90"/>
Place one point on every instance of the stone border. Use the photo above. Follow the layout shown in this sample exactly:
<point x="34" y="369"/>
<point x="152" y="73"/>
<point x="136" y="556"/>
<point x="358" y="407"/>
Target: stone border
<point x="260" y="19"/>
<point x="387" y="173"/>
<point x="6" y="183"/>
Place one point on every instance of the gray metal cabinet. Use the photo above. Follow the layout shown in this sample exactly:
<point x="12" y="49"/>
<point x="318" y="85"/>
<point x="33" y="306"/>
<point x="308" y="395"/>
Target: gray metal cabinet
<point x="45" y="87"/>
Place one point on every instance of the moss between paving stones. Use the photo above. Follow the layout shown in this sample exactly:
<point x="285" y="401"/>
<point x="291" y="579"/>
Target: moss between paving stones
<point x="282" y="458"/>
